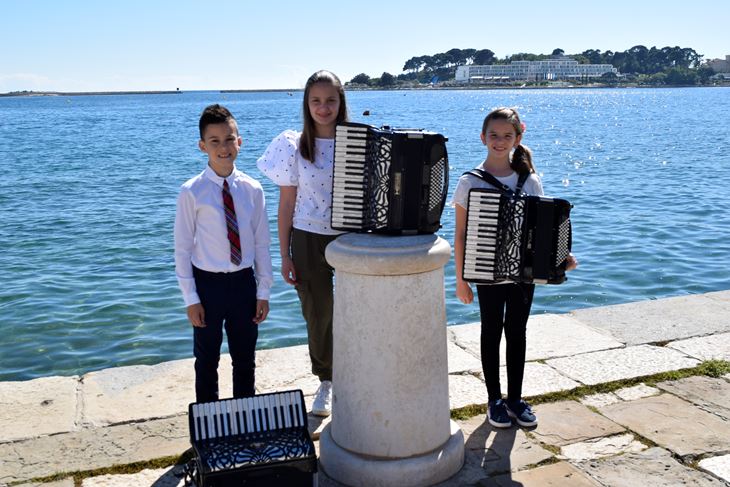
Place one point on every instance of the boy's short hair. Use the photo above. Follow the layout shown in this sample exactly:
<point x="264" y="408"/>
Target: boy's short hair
<point x="214" y="114"/>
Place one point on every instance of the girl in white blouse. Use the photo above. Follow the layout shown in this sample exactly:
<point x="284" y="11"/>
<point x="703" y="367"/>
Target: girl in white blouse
<point x="301" y="164"/>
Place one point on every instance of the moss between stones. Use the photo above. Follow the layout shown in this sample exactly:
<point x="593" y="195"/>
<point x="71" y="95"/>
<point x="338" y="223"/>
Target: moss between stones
<point x="709" y="368"/>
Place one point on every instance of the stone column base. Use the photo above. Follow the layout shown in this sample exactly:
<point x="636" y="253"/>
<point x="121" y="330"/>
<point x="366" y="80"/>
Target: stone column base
<point x="358" y="470"/>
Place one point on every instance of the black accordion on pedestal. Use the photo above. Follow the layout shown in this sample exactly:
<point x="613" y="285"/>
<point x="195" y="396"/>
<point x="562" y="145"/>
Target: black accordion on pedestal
<point x="261" y="441"/>
<point x="516" y="238"/>
<point x="387" y="180"/>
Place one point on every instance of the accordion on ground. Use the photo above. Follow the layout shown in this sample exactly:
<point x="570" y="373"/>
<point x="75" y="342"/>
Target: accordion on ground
<point x="516" y="238"/>
<point x="261" y="440"/>
<point x="388" y="180"/>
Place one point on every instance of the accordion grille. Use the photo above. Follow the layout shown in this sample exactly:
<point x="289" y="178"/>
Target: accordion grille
<point x="381" y="181"/>
<point x="435" y="190"/>
<point x="563" y="248"/>
<point x="509" y="255"/>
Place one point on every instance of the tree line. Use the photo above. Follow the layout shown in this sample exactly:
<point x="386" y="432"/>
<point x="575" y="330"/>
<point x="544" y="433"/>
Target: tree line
<point x="666" y="65"/>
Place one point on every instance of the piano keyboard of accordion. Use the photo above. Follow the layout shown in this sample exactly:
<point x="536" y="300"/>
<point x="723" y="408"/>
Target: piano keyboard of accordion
<point x="388" y="180"/>
<point x="253" y="441"/>
<point x="516" y="238"/>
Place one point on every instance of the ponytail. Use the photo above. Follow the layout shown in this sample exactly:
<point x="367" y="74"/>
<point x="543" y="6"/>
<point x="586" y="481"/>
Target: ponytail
<point x="522" y="160"/>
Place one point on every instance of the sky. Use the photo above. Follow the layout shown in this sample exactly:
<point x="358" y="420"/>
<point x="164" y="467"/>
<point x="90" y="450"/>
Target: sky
<point x="125" y="45"/>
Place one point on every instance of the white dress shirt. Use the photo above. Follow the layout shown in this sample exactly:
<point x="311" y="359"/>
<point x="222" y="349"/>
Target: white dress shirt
<point x="201" y="235"/>
<point x="284" y="165"/>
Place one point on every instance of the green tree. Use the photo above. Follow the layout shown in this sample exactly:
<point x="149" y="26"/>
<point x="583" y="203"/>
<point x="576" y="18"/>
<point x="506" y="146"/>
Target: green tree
<point x="361" y="79"/>
<point x="483" y="57"/>
<point x="387" y="79"/>
<point x="593" y="56"/>
<point x="704" y="73"/>
<point x="681" y="76"/>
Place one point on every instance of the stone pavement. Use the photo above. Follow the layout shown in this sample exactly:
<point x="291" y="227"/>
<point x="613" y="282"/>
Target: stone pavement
<point x="665" y="433"/>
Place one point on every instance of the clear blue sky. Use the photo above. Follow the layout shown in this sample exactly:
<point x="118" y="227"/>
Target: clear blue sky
<point x="78" y="45"/>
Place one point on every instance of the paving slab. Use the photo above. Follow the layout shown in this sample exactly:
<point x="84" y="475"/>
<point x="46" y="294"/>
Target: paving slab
<point x="461" y="361"/>
<point x="489" y="451"/>
<point x="625" y="363"/>
<point x="601" y="447"/>
<point x="281" y="369"/>
<point x="712" y="395"/>
<point x="140" y="392"/>
<point x="163" y="477"/>
<point x="37" y="407"/>
<point x="718" y="466"/>
<point x="559" y="474"/>
<point x="653" y="467"/>
<point x="466" y="390"/>
<point x="561" y="335"/>
<point x="540" y="379"/>
<point x="673" y="423"/>
<point x="548" y="336"/>
<point x="723" y="296"/>
<point x="93" y="448"/>
<point x="600" y="399"/>
<point x="713" y="347"/>
<point x="637" y="392"/>
<point x="565" y="422"/>
<point x="661" y="319"/>
<point x="69" y="482"/>
<point x="466" y="337"/>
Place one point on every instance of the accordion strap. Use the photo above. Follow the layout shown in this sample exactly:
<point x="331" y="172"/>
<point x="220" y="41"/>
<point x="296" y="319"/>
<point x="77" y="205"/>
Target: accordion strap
<point x="485" y="176"/>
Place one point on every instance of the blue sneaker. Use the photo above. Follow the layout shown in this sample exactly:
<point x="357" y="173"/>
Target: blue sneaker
<point x="497" y="414"/>
<point x="521" y="412"/>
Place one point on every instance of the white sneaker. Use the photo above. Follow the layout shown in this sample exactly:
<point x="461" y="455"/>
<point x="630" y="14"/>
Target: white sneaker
<point x="322" y="404"/>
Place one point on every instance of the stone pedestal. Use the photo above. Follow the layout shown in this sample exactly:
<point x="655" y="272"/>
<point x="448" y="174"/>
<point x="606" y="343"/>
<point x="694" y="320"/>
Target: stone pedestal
<point x="390" y="411"/>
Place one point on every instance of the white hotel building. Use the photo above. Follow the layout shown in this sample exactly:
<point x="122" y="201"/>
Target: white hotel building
<point x="563" y="68"/>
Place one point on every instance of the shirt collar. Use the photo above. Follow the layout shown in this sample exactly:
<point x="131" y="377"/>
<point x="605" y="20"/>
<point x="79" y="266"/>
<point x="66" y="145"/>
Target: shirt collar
<point x="210" y="174"/>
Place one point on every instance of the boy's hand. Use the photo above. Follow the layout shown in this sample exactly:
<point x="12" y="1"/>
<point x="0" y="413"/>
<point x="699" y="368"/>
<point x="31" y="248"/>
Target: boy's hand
<point x="572" y="262"/>
<point x="287" y="270"/>
<point x="262" y="310"/>
<point x="464" y="292"/>
<point x="196" y="315"/>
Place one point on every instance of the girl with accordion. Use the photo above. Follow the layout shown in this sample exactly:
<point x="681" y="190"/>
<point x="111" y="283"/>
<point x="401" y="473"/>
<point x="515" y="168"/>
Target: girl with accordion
<point x="504" y="305"/>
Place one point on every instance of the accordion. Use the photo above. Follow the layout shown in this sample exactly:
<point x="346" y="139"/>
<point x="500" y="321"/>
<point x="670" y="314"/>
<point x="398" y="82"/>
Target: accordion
<point x="516" y="238"/>
<point x="256" y="441"/>
<point x="388" y="180"/>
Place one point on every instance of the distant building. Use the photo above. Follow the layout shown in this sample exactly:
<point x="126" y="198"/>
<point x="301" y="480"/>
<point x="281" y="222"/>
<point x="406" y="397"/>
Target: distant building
<point x="720" y="65"/>
<point x="559" y="68"/>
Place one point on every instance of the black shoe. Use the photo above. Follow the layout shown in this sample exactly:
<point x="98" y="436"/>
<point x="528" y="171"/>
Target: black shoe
<point x="521" y="412"/>
<point x="497" y="414"/>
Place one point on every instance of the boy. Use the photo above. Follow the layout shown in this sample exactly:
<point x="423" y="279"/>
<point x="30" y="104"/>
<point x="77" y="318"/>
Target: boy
<point x="222" y="258"/>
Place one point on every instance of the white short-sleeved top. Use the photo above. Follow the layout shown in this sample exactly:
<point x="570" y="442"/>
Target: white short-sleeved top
<point x="532" y="185"/>
<point x="284" y="165"/>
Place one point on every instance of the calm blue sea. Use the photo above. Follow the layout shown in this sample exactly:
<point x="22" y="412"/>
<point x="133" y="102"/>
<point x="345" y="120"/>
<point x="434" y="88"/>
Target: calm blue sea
<point x="88" y="189"/>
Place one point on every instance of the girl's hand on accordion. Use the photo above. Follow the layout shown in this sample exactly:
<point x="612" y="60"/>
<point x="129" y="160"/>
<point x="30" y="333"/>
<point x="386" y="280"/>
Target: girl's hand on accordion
<point x="287" y="270"/>
<point x="464" y="292"/>
<point x="572" y="262"/>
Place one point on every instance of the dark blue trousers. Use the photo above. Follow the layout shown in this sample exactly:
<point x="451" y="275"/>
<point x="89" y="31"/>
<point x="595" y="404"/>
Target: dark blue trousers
<point x="229" y="299"/>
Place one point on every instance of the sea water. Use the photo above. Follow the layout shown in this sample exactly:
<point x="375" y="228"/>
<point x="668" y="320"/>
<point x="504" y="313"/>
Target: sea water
<point x="89" y="183"/>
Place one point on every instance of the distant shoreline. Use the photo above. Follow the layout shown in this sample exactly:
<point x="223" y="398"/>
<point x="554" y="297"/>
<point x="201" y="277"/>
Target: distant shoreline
<point x="86" y="93"/>
<point x="347" y="88"/>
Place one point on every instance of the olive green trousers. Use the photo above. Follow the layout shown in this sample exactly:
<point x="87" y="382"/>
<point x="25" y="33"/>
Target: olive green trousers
<point x="315" y="289"/>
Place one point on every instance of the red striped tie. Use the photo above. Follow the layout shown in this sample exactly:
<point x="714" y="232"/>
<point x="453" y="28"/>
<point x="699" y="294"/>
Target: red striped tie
<point x="232" y="224"/>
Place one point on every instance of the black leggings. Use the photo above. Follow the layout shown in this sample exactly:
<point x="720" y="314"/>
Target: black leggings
<point x="504" y="306"/>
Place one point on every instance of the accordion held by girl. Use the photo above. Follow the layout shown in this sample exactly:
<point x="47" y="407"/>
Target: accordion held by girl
<point x="516" y="238"/>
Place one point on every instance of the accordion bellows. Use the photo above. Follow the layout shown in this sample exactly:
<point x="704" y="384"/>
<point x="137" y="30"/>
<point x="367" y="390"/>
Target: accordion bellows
<point x="516" y="238"/>
<point x="387" y="180"/>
